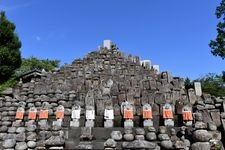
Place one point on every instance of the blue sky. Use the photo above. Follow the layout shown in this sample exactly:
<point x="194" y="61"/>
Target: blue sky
<point x="171" y="33"/>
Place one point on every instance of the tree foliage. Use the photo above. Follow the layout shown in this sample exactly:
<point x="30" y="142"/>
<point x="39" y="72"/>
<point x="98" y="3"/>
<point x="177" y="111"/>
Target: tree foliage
<point x="31" y="63"/>
<point x="213" y="84"/>
<point x="188" y="84"/>
<point x="218" y="45"/>
<point x="10" y="57"/>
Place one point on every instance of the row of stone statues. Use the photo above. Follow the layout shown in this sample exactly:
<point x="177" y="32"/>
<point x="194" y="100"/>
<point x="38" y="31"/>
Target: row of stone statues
<point x="127" y="111"/>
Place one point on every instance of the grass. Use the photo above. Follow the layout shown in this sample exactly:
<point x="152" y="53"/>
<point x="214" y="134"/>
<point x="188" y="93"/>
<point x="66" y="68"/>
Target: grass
<point x="10" y="83"/>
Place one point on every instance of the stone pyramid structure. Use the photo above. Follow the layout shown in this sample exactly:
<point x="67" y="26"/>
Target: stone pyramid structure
<point x="109" y="100"/>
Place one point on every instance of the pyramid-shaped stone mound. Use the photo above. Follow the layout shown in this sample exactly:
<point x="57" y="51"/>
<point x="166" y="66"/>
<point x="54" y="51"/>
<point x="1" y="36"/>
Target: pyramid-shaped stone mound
<point x="109" y="100"/>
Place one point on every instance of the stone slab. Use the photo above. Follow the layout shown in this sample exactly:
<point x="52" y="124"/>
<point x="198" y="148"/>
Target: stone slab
<point x="108" y="123"/>
<point x="198" y="88"/>
<point x="215" y="115"/>
<point x="128" y="123"/>
<point x="89" y="123"/>
<point x="75" y="123"/>
<point x="148" y="123"/>
<point x="169" y="122"/>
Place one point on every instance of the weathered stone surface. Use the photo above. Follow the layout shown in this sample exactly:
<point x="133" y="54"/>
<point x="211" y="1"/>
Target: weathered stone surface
<point x="198" y="88"/>
<point x="84" y="145"/>
<point x="116" y="135"/>
<point x="200" y="125"/>
<point x="139" y="137"/>
<point x="2" y="136"/>
<point x="31" y="144"/>
<point x="206" y="116"/>
<point x="31" y="128"/>
<point x="56" y="147"/>
<point x="140" y="144"/>
<point x="20" y="129"/>
<point x="17" y="123"/>
<point x="166" y="144"/>
<point x="163" y="137"/>
<point x="140" y="131"/>
<point x="151" y="129"/>
<point x="31" y="136"/>
<point x="21" y="146"/>
<point x="179" y="145"/>
<point x="3" y="129"/>
<point x="200" y="146"/>
<point x="9" y="143"/>
<point x="11" y="129"/>
<point x="128" y="137"/>
<point x="43" y="125"/>
<point x="6" y="123"/>
<point x="128" y="130"/>
<point x="9" y="136"/>
<point x="216" y="135"/>
<point x="162" y="129"/>
<point x="21" y="137"/>
<point x="215" y="115"/>
<point x="151" y="136"/>
<point x="201" y="136"/>
<point x="191" y="95"/>
<point x="86" y="133"/>
<point x="44" y="135"/>
<point x="111" y="143"/>
<point x="56" y="127"/>
<point x="212" y="126"/>
<point x="55" y="140"/>
<point x="8" y="91"/>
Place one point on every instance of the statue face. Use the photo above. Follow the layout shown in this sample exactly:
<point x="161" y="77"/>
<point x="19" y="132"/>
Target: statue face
<point x="164" y="75"/>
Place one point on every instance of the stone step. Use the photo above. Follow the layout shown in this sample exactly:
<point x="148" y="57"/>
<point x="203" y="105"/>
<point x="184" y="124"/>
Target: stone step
<point x="95" y="144"/>
<point x="98" y="133"/>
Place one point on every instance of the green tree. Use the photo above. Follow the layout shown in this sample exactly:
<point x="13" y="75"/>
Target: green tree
<point x="218" y="45"/>
<point x="10" y="57"/>
<point x="213" y="84"/>
<point x="31" y="63"/>
<point x="223" y="76"/>
<point x="188" y="84"/>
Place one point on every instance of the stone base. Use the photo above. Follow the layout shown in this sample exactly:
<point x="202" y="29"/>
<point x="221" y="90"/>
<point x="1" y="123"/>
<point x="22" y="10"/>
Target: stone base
<point x="43" y="124"/>
<point x="128" y="123"/>
<point x="187" y="123"/>
<point x="86" y="133"/>
<point x="148" y="123"/>
<point x="17" y="123"/>
<point x="84" y="145"/>
<point x="30" y="122"/>
<point x="108" y="123"/>
<point x="57" y="123"/>
<point x="75" y="123"/>
<point x="89" y="123"/>
<point x="169" y="122"/>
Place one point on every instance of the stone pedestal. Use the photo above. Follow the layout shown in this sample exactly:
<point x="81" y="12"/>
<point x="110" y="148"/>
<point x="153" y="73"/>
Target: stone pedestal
<point x="86" y="133"/>
<point x="75" y="123"/>
<point x="187" y="123"/>
<point x="43" y="124"/>
<point x="108" y="123"/>
<point x="57" y="123"/>
<point x="17" y="123"/>
<point x="128" y="123"/>
<point x="89" y="123"/>
<point x="148" y="123"/>
<point x="169" y="122"/>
